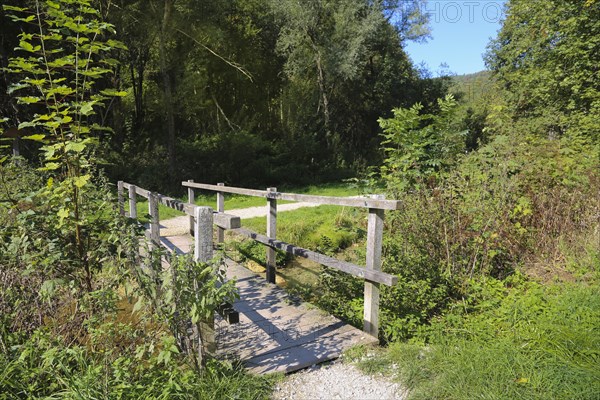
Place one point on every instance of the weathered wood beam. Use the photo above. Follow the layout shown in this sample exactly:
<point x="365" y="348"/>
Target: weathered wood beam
<point x="220" y="209"/>
<point x="121" y="198"/>
<point x="374" y="246"/>
<point x="364" y="202"/>
<point x="349" y="268"/>
<point x="226" y="189"/>
<point x="271" y="259"/>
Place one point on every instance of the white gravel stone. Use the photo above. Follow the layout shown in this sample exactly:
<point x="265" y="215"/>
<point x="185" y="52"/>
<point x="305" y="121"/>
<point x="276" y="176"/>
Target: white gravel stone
<point x="337" y="381"/>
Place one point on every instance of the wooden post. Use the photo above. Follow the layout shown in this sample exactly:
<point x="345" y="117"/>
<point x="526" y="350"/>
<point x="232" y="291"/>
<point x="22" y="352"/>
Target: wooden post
<point x="271" y="233"/>
<point x="203" y="252"/>
<point x="154" y="218"/>
<point x="132" y="202"/>
<point x="191" y="200"/>
<point x="121" y="199"/>
<point x="203" y="246"/>
<point x="374" y="245"/>
<point x="220" y="208"/>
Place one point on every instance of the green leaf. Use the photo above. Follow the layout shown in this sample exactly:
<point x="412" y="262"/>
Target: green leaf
<point x="114" y="92"/>
<point x="87" y="108"/>
<point x="60" y="90"/>
<point x="137" y="306"/>
<point x="81" y="181"/>
<point x="28" y="100"/>
<point x="76" y="147"/>
<point x="36" y="82"/>
<point x="13" y="8"/>
<point x="24" y="45"/>
<point x="37" y="138"/>
<point x="53" y="4"/>
<point x="27" y="125"/>
<point x="63" y="213"/>
<point x="51" y="166"/>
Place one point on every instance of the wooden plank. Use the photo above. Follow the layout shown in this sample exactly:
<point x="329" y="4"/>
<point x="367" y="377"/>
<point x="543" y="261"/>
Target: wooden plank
<point x="374" y="245"/>
<point x="121" y="200"/>
<point x="191" y="200"/>
<point x="203" y="252"/>
<point x="364" y="202"/>
<point x="203" y="241"/>
<point x="352" y="269"/>
<point x="271" y="260"/>
<point x="132" y="201"/>
<point x="226" y="189"/>
<point x="277" y="333"/>
<point x="220" y="209"/>
<point x="142" y="192"/>
<point x="154" y="219"/>
<point x="222" y="220"/>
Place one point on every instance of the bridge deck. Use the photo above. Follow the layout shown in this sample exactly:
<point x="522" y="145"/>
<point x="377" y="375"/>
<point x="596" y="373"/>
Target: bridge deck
<point x="276" y="333"/>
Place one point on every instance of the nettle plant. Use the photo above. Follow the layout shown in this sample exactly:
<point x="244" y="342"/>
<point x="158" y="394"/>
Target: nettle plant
<point x="57" y="79"/>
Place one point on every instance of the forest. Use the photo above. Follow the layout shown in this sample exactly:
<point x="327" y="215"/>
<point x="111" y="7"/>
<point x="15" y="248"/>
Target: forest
<point x="496" y="246"/>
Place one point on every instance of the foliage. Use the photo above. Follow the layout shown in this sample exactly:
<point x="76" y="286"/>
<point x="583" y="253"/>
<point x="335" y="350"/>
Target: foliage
<point x="418" y="147"/>
<point x="67" y="256"/>
<point x="327" y="229"/>
<point x="511" y="205"/>
<point x="546" y="58"/>
<point x="123" y="363"/>
<point x="189" y="291"/>
<point x="65" y="55"/>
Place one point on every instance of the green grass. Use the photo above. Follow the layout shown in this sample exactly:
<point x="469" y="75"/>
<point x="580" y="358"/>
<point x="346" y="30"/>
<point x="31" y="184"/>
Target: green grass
<point x="326" y="229"/>
<point x="536" y="343"/>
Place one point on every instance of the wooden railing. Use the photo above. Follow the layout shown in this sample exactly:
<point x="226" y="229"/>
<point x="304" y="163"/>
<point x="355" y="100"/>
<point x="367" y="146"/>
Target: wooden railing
<point x="202" y="219"/>
<point x="371" y="273"/>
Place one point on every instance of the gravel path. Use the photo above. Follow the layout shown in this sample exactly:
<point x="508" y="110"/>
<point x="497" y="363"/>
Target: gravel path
<point x="337" y="381"/>
<point x="180" y="225"/>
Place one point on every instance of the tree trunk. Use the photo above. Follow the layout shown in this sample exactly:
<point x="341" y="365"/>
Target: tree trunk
<point x="167" y="84"/>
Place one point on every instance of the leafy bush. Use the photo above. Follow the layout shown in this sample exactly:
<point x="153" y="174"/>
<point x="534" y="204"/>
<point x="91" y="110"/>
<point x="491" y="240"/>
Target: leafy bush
<point x="514" y="204"/>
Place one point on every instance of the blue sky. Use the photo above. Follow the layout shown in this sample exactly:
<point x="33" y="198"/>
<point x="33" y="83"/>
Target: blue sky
<point x="460" y="32"/>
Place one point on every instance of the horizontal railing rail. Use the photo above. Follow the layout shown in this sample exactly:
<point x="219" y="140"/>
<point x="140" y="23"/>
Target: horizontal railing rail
<point x="360" y="201"/>
<point x="344" y="266"/>
<point x="222" y="220"/>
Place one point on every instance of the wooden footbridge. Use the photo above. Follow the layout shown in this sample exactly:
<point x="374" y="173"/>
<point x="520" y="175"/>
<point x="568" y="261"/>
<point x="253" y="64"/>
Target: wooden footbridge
<point x="272" y="332"/>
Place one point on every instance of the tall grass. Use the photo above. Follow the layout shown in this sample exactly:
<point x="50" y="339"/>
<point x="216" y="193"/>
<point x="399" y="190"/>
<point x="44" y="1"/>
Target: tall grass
<point x="532" y="343"/>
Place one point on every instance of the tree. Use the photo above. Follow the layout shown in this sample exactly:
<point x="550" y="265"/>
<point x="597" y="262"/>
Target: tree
<point x="62" y="60"/>
<point x="546" y="58"/>
<point x="344" y="49"/>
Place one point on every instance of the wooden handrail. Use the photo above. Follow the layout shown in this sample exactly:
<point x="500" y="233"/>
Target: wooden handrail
<point x="222" y="220"/>
<point x="344" y="266"/>
<point x="371" y="273"/>
<point x="364" y="202"/>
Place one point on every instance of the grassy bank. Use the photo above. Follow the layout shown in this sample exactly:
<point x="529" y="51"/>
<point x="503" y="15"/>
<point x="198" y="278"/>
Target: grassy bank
<point x="528" y="341"/>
